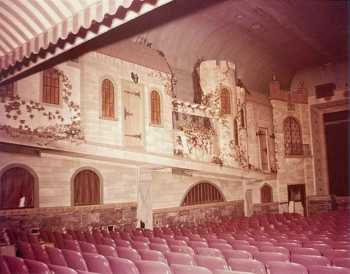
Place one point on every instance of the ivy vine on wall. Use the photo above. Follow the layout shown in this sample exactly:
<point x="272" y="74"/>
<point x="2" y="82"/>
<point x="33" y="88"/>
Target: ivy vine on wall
<point x="22" y="115"/>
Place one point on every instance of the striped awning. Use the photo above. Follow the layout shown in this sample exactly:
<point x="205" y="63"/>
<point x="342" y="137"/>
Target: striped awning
<point x="32" y="31"/>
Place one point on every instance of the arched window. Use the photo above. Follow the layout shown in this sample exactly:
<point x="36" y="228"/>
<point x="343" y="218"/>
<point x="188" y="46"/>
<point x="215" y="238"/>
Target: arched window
<point x="51" y="86"/>
<point x="16" y="188"/>
<point x="155" y="108"/>
<point x="202" y="193"/>
<point x="86" y="188"/>
<point x="107" y="94"/>
<point x="293" y="144"/>
<point x="266" y="194"/>
<point x="225" y="99"/>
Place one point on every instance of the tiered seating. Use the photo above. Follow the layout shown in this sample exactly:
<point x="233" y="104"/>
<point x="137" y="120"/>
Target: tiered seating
<point x="275" y="243"/>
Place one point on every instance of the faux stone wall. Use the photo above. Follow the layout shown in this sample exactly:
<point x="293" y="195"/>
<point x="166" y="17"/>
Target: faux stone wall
<point x="266" y="208"/>
<point x="95" y="67"/>
<point x="318" y="204"/>
<point x="55" y="175"/>
<point x="169" y="189"/>
<point x="197" y="214"/>
<point x="55" y="218"/>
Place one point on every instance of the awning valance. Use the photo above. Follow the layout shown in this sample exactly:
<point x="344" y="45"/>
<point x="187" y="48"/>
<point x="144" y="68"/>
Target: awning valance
<point x="33" y="31"/>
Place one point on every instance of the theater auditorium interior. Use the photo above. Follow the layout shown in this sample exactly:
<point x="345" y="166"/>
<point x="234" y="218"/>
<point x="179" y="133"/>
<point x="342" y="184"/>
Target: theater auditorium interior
<point x="174" y="137"/>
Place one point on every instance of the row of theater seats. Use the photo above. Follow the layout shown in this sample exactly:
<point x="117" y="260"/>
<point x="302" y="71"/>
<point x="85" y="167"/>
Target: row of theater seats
<point x="262" y="241"/>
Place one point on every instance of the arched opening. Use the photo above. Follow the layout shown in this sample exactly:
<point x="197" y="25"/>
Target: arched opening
<point x="266" y="194"/>
<point x="107" y="99"/>
<point x="86" y="188"/>
<point x="293" y="144"/>
<point x="155" y="108"/>
<point x="17" y="188"/>
<point x="203" y="193"/>
<point x="225" y="100"/>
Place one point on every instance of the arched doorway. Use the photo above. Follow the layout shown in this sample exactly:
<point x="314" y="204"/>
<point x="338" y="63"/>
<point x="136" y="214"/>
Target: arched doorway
<point x="86" y="188"/>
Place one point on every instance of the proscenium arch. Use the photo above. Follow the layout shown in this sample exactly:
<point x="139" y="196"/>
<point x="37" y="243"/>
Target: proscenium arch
<point x="32" y="172"/>
<point x="213" y="185"/>
<point x="100" y="178"/>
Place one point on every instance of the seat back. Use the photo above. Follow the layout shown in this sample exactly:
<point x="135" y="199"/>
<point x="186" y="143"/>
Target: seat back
<point x="286" y="268"/>
<point x="211" y="262"/>
<point x="321" y="269"/>
<point x="152" y="255"/>
<point x="58" y="269"/>
<point x="247" y="265"/>
<point x="3" y="266"/>
<point x="121" y="265"/>
<point x="139" y="245"/>
<point x="236" y="254"/>
<point x="36" y="267"/>
<point x="343" y="262"/>
<point x="128" y="253"/>
<point x="179" y="258"/>
<point x="278" y="249"/>
<point x="208" y="251"/>
<point x="182" y="249"/>
<point x="266" y="257"/>
<point x="40" y="253"/>
<point x="97" y="263"/>
<point x="195" y="244"/>
<point x="151" y="267"/>
<point x="87" y="247"/>
<point x="107" y="250"/>
<point x="74" y="259"/>
<point x="308" y="260"/>
<point x="56" y="256"/>
<point x="305" y="251"/>
<point x="160" y="247"/>
<point x="186" y="269"/>
<point x="16" y="265"/>
<point x="71" y="245"/>
<point x="25" y="250"/>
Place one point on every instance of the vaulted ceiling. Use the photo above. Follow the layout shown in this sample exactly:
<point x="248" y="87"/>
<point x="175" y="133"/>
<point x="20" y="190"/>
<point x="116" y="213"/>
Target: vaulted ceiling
<point x="262" y="37"/>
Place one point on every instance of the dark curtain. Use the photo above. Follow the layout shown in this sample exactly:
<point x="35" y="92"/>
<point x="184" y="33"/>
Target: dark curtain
<point x="86" y="188"/>
<point x="16" y="183"/>
<point x="266" y="194"/>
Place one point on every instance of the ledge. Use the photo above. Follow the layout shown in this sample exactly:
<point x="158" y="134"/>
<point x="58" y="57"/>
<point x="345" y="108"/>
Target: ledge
<point x="64" y="209"/>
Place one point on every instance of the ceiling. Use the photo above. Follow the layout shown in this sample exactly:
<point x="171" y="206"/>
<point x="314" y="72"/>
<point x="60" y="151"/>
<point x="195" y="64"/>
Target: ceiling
<point x="262" y="37"/>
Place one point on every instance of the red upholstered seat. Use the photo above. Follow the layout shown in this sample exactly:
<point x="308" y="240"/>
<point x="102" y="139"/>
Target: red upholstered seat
<point x="16" y="265"/>
<point x="97" y="263"/>
<point x="321" y="269"/>
<point x="343" y="262"/>
<point x="160" y="247"/>
<point x="107" y="250"/>
<point x="179" y="258"/>
<point x="58" y="269"/>
<point x="25" y="250"/>
<point x="278" y="249"/>
<point x="182" y="249"/>
<point x="56" y="256"/>
<point x="40" y="253"/>
<point x="157" y="240"/>
<point x="242" y="254"/>
<point x="207" y="251"/>
<point x="128" y="253"/>
<point x="139" y="245"/>
<point x="189" y="269"/>
<point x="211" y="262"/>
<point x="74" y="259"/>
<point x="37" y="267"/>
<point x="151" y="267"/>
<point x="286" y="268"/>
<point x="152" y="255"/>
<point x="266" y="257"/>
<point x="71" y="245"/>
<point x="87" y="247"/>
<point x="247" y="265"/>
<point x="121" y="265"/>
<point x="308" y="260"/>
<point x="176" y="242"/>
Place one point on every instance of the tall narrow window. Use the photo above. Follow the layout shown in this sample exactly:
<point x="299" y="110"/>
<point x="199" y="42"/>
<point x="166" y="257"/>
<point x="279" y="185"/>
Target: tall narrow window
<point x="51" y="86"/>
<point x="86" y="188"/>
<point x="225" y="99"/>
<point x="107" y="99"/>
<point x="235" y="132"/>
<point x="266" y="194"/>
<point x="293" y="144"/>
<point x="202" y="193"/>
<point x="7" y="90"/>
<point x="16" y="189"/>
<point x="155" y="108"/>
<point x="242" y="116"/>
<point x="264" y="160"/>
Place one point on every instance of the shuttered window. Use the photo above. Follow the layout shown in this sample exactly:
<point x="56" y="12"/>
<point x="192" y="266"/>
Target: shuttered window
<point x="7" y="90"/>
<point x="16" y="189"/>
<point x="155" y="108"/>
<point x="225" y="101"/>
<point x="107" y="99"/>
<point x="51" y="86"/>
<point x="86" y="188"/>
<point x="266" y="194"/>
<point x="203" y="193"/>
<point x="293" y="144"/>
